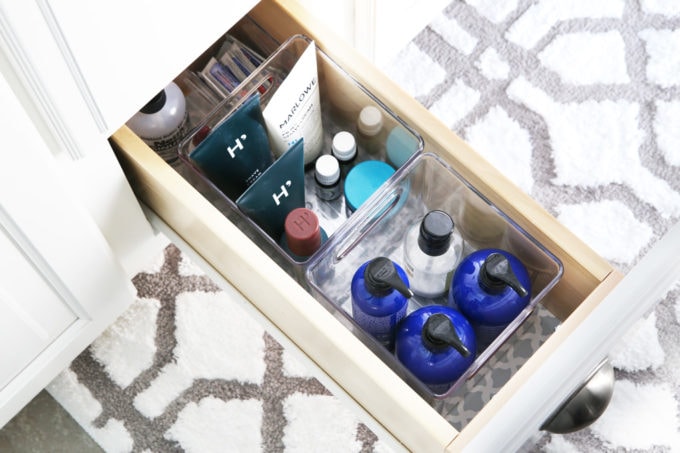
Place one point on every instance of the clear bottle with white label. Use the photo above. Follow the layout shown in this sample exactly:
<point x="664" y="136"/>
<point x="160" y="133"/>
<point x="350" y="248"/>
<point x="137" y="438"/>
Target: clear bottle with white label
<point x="432" y="249"/>
<point x="163" y="122"/>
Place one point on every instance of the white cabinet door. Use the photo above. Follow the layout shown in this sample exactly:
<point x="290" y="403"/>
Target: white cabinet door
<point x="60" y="284"/>
<point x="32" y="314"/>
<point x="34" y="60"/>
<point x="125" y="51"/>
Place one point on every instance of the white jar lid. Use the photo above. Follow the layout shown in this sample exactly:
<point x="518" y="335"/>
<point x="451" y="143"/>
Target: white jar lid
<point x="370" y="121"/>
<point x="327" y="170"/>
<point x="344" y="146"/>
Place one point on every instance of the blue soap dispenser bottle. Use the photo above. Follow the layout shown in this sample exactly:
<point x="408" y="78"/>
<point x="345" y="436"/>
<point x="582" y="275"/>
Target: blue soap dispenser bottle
<point x="490" y="287"/>
<point x="437" y="344"/>
<point x="380" y="293"/>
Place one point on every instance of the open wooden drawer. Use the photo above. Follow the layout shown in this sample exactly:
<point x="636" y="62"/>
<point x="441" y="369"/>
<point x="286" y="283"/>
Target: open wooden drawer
<point x="586" y="280"/>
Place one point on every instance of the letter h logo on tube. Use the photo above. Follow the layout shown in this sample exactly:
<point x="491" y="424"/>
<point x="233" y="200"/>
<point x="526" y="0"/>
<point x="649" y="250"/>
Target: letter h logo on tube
<point x="284" y="193"/>
<point x="238" y="146"/>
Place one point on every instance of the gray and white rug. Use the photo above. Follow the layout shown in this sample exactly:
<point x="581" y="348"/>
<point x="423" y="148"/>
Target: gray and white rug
<point x="577" y="102"/>
<point x="186" y="368"/>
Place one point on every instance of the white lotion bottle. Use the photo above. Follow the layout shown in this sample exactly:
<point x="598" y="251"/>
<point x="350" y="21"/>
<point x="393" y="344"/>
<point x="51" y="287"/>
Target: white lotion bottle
<point x="294" y="110"/>
<point x="163" y="122"/>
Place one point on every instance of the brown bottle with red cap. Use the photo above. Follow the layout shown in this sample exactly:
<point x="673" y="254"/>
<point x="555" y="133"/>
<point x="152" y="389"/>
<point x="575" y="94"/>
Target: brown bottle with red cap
<point x="302" y="235"/>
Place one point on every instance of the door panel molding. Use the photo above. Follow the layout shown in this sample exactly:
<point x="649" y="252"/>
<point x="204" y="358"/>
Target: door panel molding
<point x="28" y="81"/>
<point x="39" y="265"/>
<point x="53" y="240"/>
<point x="62" y="44"/>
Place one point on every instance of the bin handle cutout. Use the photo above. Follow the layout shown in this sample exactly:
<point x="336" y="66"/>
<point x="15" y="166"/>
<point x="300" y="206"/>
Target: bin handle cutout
<point x="373" y="216"/>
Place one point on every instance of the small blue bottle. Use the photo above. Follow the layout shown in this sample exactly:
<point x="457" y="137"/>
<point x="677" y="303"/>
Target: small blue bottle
<point x="380" y="293"/>
<point x="437" y="344"/>
<point x="490" y="287"/>
<point x="400" y="146"/>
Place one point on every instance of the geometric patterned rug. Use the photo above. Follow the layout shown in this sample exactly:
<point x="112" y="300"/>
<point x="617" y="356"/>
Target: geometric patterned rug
<point x="578" y="103"/>
<point x="187" y="369"/>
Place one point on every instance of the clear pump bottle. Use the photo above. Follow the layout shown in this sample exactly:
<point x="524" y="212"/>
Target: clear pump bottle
<point x="432" y="249"/>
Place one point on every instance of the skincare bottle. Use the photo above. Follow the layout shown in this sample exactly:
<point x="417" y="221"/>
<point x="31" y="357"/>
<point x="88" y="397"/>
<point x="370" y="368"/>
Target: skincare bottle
<point x="369" y="128"/>
<point x="362" y="181"/>
<point x="302" y="234"/>
<point x="400" y="145"/>
<point x="294" y="109"/>
<point x="344" y="148"/>
<point x="490" y="287"/>
<point x="380" y="293"/>
<point x="437" y="344"/>
<point x="432" y="249"/>
<point x="327" y="178"/>
<point x="162" y="122"/>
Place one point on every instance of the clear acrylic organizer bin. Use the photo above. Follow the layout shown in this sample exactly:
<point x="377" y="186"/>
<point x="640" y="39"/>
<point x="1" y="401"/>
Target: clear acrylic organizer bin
<point x="425" y="183"/>
<point x="341" y="97"/>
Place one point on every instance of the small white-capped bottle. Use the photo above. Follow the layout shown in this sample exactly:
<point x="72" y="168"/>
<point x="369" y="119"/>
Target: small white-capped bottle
<point x="163" y="122"/>
<point x="327" y="176"/>
<point x="344" y="148"/>
<point x="370" y="135"/>
<point x="432" y="249"/>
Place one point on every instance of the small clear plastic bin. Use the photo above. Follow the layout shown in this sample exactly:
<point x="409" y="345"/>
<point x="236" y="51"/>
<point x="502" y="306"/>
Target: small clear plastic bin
<point x="342" y="98"/>
<point x="425" y="183"/>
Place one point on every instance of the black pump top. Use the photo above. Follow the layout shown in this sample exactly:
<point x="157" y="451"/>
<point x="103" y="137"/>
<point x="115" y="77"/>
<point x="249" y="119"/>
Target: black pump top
<point x="435" y="233"/>
<point x="155" y="104"/>
<point x="381" y="278"/>
<point x="440" y="333"/>
<point x="496" y="274"/>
